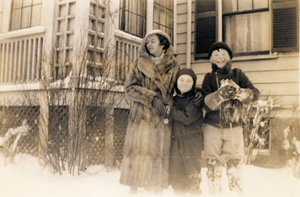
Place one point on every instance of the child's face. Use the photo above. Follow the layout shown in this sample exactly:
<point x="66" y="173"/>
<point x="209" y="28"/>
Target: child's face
<point x="220" y="57"/>
<point x="185" y="83"/>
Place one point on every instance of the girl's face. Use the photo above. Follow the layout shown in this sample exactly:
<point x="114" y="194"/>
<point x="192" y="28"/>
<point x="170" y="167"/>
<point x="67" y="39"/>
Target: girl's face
<point x="220" y="57"/>
<point x="185" y="83"/>
<point x="153" y="45"/>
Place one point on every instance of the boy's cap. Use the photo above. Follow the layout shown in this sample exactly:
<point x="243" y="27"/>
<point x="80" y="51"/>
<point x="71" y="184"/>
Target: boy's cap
<point x="186" y="71"/>
<point x="217" y="46"/>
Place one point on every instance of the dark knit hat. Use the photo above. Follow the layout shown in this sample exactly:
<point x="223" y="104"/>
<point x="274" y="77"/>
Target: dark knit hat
<point x="217" y="46"/>
<point x="186" y="71"/>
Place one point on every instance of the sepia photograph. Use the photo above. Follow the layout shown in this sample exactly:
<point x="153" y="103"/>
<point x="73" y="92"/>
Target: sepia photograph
<point x="147" y="98"/>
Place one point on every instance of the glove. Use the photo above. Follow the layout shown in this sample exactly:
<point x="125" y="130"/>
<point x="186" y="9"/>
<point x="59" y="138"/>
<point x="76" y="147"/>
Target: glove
<point x="198" y="100"/>
<point x="159" y="106"/>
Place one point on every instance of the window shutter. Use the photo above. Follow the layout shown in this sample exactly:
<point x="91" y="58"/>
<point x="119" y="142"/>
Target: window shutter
<point x="285" y="25"/>
<point x="205" y="27"/>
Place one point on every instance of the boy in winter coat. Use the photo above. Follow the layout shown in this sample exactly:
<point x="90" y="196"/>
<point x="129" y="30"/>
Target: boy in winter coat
<point x="225" y="90"/>
<point x="186" y="145"/>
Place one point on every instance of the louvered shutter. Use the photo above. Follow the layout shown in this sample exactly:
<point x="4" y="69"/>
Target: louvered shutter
<point x="205" y="27"/>
<point x="285" y="25"/>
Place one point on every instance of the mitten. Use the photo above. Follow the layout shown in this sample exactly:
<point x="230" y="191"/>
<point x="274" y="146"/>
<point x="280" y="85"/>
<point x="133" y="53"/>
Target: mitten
<point x="213" y="100"/>
<point x="229" y="89"/>
<point x="245" y="95"/>
<point x="159" y="106"/>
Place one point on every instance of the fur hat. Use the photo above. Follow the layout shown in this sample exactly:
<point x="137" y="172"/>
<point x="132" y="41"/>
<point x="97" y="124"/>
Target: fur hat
<point x="186" y="71"/>
<point x="217" y="46"/>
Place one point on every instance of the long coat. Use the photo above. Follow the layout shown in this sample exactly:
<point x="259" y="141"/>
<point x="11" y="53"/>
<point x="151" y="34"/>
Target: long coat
<point x="147" y="143"/>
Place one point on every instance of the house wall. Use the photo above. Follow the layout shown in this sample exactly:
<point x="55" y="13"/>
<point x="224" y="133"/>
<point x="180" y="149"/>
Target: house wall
<point x="276" y="74"/>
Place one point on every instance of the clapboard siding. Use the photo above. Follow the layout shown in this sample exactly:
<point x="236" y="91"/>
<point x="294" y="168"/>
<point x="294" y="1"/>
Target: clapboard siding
<point x="181" y="48"/>
<point x="182" y="18"/>
<point x="181" y="58"/>
<point x="181" y="38"/>
<point x="274" y="76"/>
<point x="181" y="28"/>
<point x="181" y="8"/>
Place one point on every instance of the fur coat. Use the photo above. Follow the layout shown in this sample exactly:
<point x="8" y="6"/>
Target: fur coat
<point x="147" y="143"/>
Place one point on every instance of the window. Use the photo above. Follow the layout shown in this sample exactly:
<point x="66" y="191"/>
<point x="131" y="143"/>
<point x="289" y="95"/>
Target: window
<point x="1" y="14"/>
<point x="249" y="27"/>
<point x="25" y="14"/>
<point x="133" y="17"/>
<point x="163" y="16"/>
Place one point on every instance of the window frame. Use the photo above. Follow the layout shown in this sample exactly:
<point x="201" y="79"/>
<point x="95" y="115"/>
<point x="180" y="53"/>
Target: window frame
<point x="263" y="52"/>
<point x="123" y="24"/>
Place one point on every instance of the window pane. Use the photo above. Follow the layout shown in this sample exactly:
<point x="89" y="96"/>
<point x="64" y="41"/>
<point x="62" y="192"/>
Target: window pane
<point x="36" y="1"/>
<point x="260" y="4"/>
<point x="162" y="16"/>
<point x="0" y="22"/>
<point x="1" y="5"/>
<point x="70" y="24"/>
<point x="36" y="16"/>
<point x="26" y="3"/>
<point x="244" y="5"/>
<point x="72" y="8"/>
<point x="248" y="32"/>
<point x="156" y="14"/>
<point x="229" y="6"/>
<point x="62" y="10"/>
<point x="17" y="4"/>
<point x="16" y="19"/>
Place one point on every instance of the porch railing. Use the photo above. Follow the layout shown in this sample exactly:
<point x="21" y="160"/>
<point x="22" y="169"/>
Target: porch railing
<point x="20" y="59"/>
<point x="127" y="51"/>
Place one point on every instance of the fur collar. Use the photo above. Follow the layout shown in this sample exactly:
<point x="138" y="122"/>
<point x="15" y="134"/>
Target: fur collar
<point x="146" y="66"/>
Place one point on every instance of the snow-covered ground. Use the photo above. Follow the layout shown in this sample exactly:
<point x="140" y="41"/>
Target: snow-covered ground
<point x="26" y="178"/>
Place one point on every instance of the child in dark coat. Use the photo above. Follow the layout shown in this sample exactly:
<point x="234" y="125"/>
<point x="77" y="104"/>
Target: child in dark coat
<point x="225" y="90"/>
<point x="186" y="145"/>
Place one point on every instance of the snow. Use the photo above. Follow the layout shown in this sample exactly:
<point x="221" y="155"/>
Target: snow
<point x="26" y="178"/>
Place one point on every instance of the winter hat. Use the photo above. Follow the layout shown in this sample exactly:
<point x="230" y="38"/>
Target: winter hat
<point x="186" y="71"/>
<point x="160" y="32"/>
<point x="217" y="46"/>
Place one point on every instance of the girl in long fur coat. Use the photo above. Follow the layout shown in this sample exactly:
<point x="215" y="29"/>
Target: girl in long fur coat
<point x="149" y="86"/>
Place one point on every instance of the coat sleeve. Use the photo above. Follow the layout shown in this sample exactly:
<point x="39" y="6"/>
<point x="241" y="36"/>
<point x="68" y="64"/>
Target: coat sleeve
<point x="207" y="89"/>
<point x="247" y="84"/>
<point x="134" y="91"/>
<point x="189" y="115"/>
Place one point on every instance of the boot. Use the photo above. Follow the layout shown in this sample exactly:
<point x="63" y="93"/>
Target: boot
<point x="214" y="177"/>
<point x="234" y="175"/>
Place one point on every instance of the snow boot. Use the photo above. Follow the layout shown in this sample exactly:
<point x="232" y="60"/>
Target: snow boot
<point x="234" y="175"/>
<point x="214" y="177"/>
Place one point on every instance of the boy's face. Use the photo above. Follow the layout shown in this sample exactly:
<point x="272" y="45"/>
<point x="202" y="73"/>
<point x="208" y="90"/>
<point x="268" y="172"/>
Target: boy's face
<point x="220" y="57"/>
<point x="185" y="83"/>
